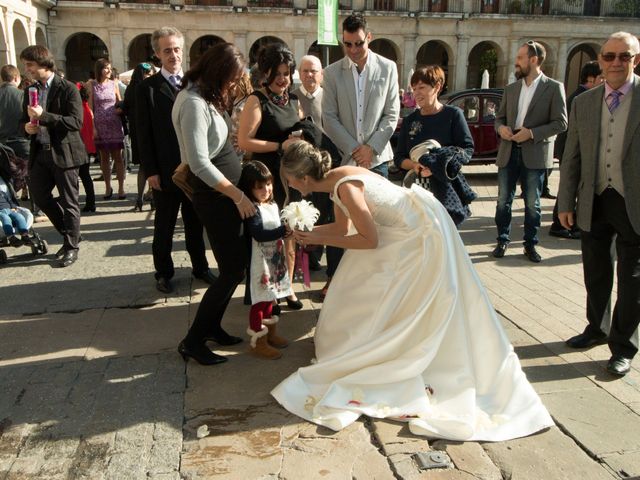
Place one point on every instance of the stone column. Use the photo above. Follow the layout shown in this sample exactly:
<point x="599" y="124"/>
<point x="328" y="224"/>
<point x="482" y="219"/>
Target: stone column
<point x="561" y="61"/>
<point x="240" y="41"/>
<point x="408" y="60"/>
<point x="116" y="49"/>
<point x="461" y="63"/>
<point x="56" y="48"/>
<point x="8" y="20"/>
<point x="299" y="46"/>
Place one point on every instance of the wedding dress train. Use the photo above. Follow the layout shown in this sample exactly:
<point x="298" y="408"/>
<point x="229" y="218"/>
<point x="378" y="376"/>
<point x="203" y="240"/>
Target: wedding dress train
<point x="407" y="332"/>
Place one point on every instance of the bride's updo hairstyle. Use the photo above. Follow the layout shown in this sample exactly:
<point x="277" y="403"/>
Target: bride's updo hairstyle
<point x="300" y="159"/>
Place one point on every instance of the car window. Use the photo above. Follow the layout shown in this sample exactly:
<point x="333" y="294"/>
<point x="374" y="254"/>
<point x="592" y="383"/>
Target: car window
<point x="470" y="107"/>
<point x="490" y="106"/>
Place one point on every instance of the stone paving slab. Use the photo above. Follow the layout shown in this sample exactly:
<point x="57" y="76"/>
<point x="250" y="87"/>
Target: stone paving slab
<point x="598" y="422"/>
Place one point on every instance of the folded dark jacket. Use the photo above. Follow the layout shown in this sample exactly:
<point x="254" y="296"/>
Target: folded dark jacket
<point x="448" y="183"/>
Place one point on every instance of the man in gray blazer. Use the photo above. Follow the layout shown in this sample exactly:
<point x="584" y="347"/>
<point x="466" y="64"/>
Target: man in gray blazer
<point x="533" y="111"/>
<point x="600" y="175"/>
<point x="361" y="104"/>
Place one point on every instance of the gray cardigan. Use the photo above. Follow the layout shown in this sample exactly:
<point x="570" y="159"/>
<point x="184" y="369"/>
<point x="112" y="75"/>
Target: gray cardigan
<point x="201" y="132"/>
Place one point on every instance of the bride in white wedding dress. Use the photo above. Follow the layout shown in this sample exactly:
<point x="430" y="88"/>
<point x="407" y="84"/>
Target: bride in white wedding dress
<point x="407" y="331"/>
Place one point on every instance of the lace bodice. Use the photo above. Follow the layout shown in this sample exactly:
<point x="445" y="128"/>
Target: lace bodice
<point x="386" y="201"/>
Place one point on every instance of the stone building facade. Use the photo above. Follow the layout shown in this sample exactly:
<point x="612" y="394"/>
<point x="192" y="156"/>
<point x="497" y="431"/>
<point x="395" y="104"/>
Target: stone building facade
<point x="463" y="36"/>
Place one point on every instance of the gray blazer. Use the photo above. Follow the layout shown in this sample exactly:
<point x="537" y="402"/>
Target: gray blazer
<point x="381" y="107"/>
<point x="546" y="117"/>
<point x="580" y="160"/>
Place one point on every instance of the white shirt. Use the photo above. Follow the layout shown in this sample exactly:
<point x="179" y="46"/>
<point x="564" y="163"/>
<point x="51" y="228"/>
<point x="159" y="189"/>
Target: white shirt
<point x="166" y="74"/>
<point x="309" y="95"/>
<point x="526" y="94"/>
<point x="360" y="82"/>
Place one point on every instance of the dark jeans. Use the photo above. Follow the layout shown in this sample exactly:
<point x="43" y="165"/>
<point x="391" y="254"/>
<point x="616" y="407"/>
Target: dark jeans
<point x="382" y="169"/>
<point x="323" y="202"/>
<point x="224" y="229"/>
<point x="531" y="181"/>
<point x="87" y="183"/>
<point x="63" y="211"/>
<point x="168" y="202"/>
<point x="610" y="223"/>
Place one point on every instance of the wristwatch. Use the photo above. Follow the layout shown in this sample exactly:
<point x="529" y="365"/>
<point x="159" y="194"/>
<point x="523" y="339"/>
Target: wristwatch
<point x="279" y="151"/>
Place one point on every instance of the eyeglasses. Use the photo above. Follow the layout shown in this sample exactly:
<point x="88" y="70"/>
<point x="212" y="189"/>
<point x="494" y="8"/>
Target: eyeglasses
<point x="533" y="45"/>
<point x="624" y="57"/>
<point x="145" y="66"/>
<point x="357" y="44"/>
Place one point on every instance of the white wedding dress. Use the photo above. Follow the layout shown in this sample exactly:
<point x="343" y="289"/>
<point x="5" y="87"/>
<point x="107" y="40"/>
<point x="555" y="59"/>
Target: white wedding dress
<point x="407" y="332"/>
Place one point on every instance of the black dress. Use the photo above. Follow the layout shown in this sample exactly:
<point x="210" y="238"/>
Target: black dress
<point x="277" y="122"/>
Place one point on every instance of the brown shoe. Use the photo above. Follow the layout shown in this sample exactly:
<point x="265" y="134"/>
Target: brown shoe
<point x="259" y="345"/>
<point x="272" y="337"/>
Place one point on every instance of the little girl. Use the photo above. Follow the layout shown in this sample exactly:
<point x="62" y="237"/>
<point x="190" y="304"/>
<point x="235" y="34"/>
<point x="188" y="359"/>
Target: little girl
<point x="269" y="279"/>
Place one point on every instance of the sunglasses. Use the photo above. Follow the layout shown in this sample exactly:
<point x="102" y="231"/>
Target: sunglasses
<point x="624" y="57"/>
<point x="357" y="44"/>
<point x="533" y="45"/>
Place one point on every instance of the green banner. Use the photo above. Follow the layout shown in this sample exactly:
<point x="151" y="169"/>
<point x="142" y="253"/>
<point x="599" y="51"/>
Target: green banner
<point x="327" y="22"/>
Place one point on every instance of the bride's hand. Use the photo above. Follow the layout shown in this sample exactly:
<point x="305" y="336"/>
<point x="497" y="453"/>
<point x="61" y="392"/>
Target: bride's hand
<point x="305" y="238"/>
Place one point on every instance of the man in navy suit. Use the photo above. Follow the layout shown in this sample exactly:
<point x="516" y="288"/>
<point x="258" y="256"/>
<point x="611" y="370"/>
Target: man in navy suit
<point x="160" y="155"/>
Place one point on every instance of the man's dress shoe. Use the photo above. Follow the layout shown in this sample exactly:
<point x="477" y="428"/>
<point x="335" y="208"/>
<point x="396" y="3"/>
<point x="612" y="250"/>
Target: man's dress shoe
<point x="164" y="285"/>
<point x="548" y="194"/>
<point x="68" y="258"/>
<point x="560" y="232"/>
<point x="585" y="341"/>
<point x="618" y="365"/>
<point x="500" y="249"/>
<point x="531" y="253"/>
<point x="207" y="276"/>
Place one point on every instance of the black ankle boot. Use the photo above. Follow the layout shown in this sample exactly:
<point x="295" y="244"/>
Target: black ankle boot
<point x="200" y="353"/>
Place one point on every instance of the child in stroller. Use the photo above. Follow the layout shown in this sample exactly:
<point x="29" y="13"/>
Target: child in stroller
<point x="15" y="219"/>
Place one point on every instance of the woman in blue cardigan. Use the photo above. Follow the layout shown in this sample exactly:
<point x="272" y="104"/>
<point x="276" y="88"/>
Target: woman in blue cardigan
<point x="445" y="124"/>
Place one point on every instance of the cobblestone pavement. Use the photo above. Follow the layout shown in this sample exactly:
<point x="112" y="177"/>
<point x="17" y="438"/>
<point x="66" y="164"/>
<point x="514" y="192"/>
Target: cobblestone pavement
<point x="93" y="387"/>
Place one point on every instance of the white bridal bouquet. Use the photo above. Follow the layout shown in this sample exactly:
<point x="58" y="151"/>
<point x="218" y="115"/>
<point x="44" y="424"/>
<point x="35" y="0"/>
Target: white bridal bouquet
<point x="300" y="215"/>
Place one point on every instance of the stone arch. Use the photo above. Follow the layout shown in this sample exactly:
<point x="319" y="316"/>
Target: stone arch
<point x="201" y="45"/>
<point x="81" y="51"/>
<point x="4" y="45"/>
<point x="485" y="55"/>
<point x="386" y="48"/>
<point x="576" y="58"/>
<point x="20" y="36"/>
<point x="41" y="38"/>
<point x="436" y="52"/>
<point x="261" y="42"/>
<point x="335" y="52"/>
<point x="140" y="50"/>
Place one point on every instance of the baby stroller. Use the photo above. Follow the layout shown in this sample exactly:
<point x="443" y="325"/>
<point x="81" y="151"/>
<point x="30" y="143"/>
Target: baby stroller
<point x="13" y="172"/>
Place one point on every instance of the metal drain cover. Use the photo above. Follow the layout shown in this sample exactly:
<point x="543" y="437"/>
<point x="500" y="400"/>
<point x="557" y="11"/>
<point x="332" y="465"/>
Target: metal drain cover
<point x="432" y="459"/>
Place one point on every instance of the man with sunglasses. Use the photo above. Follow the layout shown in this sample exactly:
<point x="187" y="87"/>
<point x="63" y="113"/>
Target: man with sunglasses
<point x="361" y="103"/>
<point x="600" y="177"/>
<point x="532" y="112"/>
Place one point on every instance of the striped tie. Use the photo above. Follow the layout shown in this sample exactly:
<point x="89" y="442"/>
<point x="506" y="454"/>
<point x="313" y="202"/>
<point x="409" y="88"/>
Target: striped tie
<point x="614" y="100"/>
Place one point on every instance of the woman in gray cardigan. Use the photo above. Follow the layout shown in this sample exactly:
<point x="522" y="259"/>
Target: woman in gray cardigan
<point x="201" y="123"/>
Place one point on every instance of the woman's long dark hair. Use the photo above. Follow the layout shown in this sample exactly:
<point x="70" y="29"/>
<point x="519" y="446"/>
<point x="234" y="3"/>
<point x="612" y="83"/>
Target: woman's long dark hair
<point x="270" y="57"/>
<point x="214" y="73"/>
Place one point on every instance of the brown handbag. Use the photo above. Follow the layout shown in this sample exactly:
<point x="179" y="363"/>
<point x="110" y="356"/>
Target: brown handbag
<point x="181" y="178"/>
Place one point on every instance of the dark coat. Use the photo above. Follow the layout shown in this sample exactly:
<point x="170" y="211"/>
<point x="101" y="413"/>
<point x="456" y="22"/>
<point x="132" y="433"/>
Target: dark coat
<point x="63" y="118"/>
<point x="158" y="147"/>
<point x="447" y="182"/>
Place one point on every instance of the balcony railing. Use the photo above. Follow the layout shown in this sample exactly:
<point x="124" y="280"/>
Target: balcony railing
<point x="620" y="8"/>
<point x="211" y="3"/>
<point x="342" y="4"/>
<point x="442" y="6"/>
<point x="387" y="5"/>
<point x="271" y="3"/>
